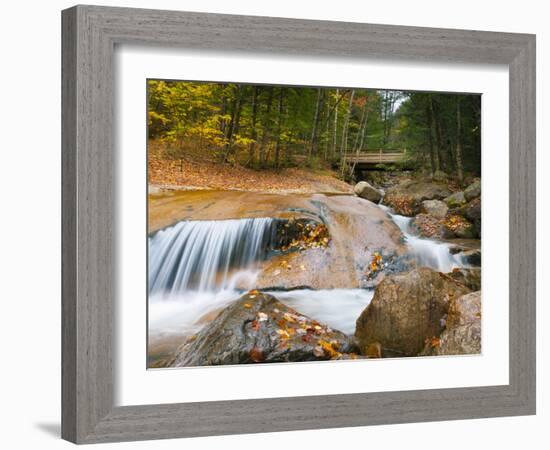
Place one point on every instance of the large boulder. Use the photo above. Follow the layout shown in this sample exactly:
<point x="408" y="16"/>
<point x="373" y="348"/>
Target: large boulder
<point x="358" y="231"/>
<point x="406" y="310"/>
<point x="259" y="328"/>
<point x="462" y="334"/>
<point x="368" y="192"/>
<point x="453" y="226"/>
<point x="473" y="190"/>
<point x="435" y="208"/>
<point x="464" y="310"/>
<point x="462" y="340"/>
<point x="439" y="175"/>
<point x="325" y="268"/>
<point x="406" y="198"/>
<point x="455" y="200"/>
<point x="472" y="211"/>
<point x="457" y="226"/>
<point x="471" y="257"/>
<point x="428" y="226"/>
<point x="470" y="277"/>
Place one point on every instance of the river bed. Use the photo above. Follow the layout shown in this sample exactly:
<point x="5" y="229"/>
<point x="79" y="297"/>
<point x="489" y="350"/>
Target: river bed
<point x="212" y="254"/>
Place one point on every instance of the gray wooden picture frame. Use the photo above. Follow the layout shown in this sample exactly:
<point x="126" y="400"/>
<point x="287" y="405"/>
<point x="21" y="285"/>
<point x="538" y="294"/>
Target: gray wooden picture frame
<point x="90" y="34"/>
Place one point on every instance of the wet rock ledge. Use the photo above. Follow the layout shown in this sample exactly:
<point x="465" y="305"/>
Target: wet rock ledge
<point x="418" y="313"/>
<point x="258" y="328"/>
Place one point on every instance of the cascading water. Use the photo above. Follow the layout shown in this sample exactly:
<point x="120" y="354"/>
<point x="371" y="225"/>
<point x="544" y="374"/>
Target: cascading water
<point x="427" y="252"/>
<point x="201" y="255"/>
<point x="194" y="267"/>
<point x="198" y="267"/>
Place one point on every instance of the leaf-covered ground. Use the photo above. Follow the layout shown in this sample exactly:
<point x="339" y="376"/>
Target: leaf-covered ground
<point x="194" y="173"/>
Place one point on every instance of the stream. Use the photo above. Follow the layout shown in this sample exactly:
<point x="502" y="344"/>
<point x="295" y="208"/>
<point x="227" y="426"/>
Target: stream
<point x="197" y="267"/>
<point x="427" y="252"/>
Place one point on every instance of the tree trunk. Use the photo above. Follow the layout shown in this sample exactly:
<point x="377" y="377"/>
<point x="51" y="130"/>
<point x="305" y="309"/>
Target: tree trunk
<point x="458" y="152"/>
<point x="266" y="129"/>
<point x="360" y="129"/>
<point x="389" y="103"/>
<point x="254" y="133"/>
<point x="434" y="133"/>
<point x="358" y="146"/>
<point x="430" y="137"/>
<point x="335" y="133"/>
<point x="233" y="124"/>
<point x="439" y="140"/>
<point x="386" y="118"/>
<point x="344" y="145"/>
<point x="223" y="112"/>
<point x="279" y="127"/>
<point x="327" y="129"/>
<point x="315" y="126"/>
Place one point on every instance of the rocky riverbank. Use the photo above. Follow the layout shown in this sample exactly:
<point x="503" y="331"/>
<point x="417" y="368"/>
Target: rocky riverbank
<point x="417" y="313"/>
<point x="340" y="242"/>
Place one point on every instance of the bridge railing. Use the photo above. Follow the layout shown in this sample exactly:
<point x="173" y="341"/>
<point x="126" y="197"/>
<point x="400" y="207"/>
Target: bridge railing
<point x="379" y="156"/>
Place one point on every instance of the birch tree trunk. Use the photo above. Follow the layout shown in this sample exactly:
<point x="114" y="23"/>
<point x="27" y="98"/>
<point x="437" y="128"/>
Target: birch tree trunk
<point x="314" y="129"/>
<point x="358" y="146"/>
<point x="345" y="131"/>
<point x="335" y="133"/>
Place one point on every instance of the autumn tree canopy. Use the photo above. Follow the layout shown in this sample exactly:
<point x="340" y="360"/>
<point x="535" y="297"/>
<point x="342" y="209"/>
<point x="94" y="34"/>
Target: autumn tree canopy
<point x="264" y="126"/>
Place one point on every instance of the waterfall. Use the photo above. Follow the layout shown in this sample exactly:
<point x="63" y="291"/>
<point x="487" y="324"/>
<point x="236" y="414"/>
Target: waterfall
<point x="199" y="267"/>
<point x="202" y="255"/>
<point x="427" y="252"/>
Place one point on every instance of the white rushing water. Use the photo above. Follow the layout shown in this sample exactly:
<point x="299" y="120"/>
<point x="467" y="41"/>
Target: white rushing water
<point x="201" y="255"/>
<point x="338" y="308"/>
<point x="427" y="252"/>
<point x="189" y="311"/>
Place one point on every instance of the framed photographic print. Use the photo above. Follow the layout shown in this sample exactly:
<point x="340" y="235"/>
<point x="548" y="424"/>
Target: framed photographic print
<point x="267" y="222"/>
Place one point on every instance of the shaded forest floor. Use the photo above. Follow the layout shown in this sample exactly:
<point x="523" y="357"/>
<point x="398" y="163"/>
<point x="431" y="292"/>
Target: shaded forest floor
<point x="194" y="172"/>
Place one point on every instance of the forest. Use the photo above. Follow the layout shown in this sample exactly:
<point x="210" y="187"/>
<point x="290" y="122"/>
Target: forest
<point x="272" y="127"/>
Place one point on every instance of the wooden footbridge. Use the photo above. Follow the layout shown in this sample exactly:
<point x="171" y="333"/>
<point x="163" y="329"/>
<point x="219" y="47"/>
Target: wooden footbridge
<point x="370" y="159"/>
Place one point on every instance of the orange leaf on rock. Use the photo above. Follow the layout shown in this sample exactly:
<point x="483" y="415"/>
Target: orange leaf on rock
<point x="283" y="334"/>
<point x="329" y="349"/>
<point x="257" y="354"/>
<point x="318" y="351"/>
<point x="432" y="341"/>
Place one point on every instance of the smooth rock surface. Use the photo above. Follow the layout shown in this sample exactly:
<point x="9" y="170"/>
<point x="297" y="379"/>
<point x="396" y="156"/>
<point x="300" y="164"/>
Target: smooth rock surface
<point x="368" y="192"/>
<point x="435" y="208"/>
<point x="406" y="198"/>
<point x="473" y="190"/>
<point x="406" y="310"/>
<point x="455" y="200"/>
<point x="462" y="334"/>
<point x="472" y="211"/>
<point x="428" y="226"/>
<point x="470" y="277"/>
<point x="259" y="328"/>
